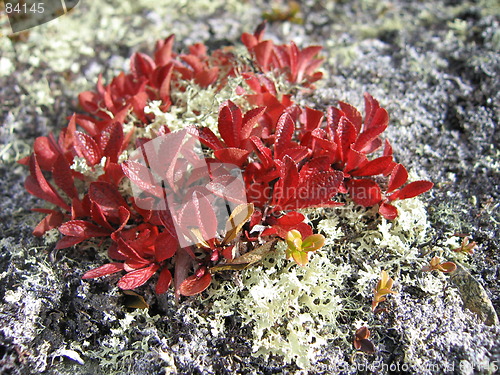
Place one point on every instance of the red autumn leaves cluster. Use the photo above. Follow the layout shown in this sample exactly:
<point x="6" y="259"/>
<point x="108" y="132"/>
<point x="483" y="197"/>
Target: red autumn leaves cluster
<point x="290" y="158"/>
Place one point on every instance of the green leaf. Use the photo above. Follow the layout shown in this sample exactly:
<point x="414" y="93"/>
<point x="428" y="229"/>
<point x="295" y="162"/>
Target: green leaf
<point x="300" y="257"/>
<point x="313" y="242"/>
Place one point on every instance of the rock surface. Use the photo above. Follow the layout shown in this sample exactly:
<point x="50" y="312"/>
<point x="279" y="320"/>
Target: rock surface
<point x="434" y="65"/>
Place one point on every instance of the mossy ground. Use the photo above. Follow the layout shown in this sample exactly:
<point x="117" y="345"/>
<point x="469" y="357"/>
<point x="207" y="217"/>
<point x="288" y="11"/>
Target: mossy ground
<point x="433" y="65"/>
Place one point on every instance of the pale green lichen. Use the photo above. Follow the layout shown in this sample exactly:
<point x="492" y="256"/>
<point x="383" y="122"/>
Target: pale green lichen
<point x="92" y="173"/>
<point x="6" y="67"/>
<point x="295" y="311"/>
<point x="291" y="309"/>
<point x="111" y="21"/>
<point x="197" y="106"/>
<point x="117" y="351"/>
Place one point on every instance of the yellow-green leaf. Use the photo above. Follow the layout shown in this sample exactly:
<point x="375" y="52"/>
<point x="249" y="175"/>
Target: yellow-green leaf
<point x="313" y="242"/>
<point x="294" y="240"/>
<point x="300" y="257"/>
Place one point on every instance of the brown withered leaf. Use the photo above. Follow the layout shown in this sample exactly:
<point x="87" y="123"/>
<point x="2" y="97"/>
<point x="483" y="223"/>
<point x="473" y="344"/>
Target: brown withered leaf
<point x="235" y="222"/>
<point x="247" y="259"/>
<point x="362" y="342"/>
<point x="134" y="300"/>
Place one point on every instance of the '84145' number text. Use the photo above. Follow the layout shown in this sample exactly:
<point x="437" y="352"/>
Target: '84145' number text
<point x="24" y="8"/>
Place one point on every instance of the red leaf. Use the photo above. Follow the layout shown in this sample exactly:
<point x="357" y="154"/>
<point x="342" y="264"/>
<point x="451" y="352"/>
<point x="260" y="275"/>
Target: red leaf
<point x="198" y="49"/>
<point x="304" y="229"/>
<point x="107" y="197"/>
<point x="132" y="258"/>
<point x="111" y="141"/>
<point x="313" y="166"/>
<point x="163" y="50"/>
<point x="354" y="160"/>
<point x="89" y="101"/>
<point x="106" y="95"/>
<point x="141" y="65"/>
<point x="228" y="187"/>
<point x="206" y="77"/>
<point x="194" y="285"/>
<point x="87" y="123"/>
<point x="87" y="148"/>
<point x="412" y="190"/>
<point x="79" y="208"/>
<point x="372" y="146"/>
<point x="124" y="216"/>
<point x="248" y="40"/>
<point x="82" y="229"/>
<point x="364" y="192"/>
<point x="285" y="188"/>
<point x="46" y="153"/>
<point x="306" y="62"/>
<point x="387" y="148"/>
<point x="165" y="246"/>
<point x="262" y="152"/>
<point x="61" y="173"/>
<point x="199" y="213"/>
<point x="291" y="218"/>
<point x="51" y="221"/>
<point x="98" y="216"/>
<point x="164" y="281"/>
<point x="380" y="119"/>
<point x="194" y="62"/>
<point x="137" y="278"/>
<point x="345" y="136"/>
<point x="388" y="211"/>
<point x="68" y="241"/>
<point x="353" y="115"/>
<point x="104" y="270"/>
<point x="206" y="136"/>
<point x="169" y="152"/>
<point x="284" y="133"/>
<point x="232" y="155"/>
<point x="374" y="167"/>
<point x="263" y="52"/>
<point x="230" y="122"/>
<point x="138" y="103"/>
<point x="142" y="177"/>
<point x="399" y="176"/>
<point x="312" y="118"/>
<point x="164" y="78"/>
<point x="319" y="189"/>
<point x="333" y="116"/>
<point x="114" y="174"/>
<point x="289" y="175"/>
<point x="297" y="153"/>
<point x="371" y="107"/>
<point x="37" y="185"/>
<point x="367" y="141"/>
<point x="249" y="120"/>
<point x="167" y="221"/>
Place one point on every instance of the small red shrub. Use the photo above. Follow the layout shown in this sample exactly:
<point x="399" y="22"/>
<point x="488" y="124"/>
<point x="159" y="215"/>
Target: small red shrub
<point x="290" y="158"/>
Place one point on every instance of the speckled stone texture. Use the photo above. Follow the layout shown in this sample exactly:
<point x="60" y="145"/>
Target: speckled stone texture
<point x="434" y="65"/>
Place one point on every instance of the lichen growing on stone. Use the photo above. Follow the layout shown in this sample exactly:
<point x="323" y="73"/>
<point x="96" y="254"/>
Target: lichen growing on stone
<point x="294" y="312"/>
<point x="288" y="158"/>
